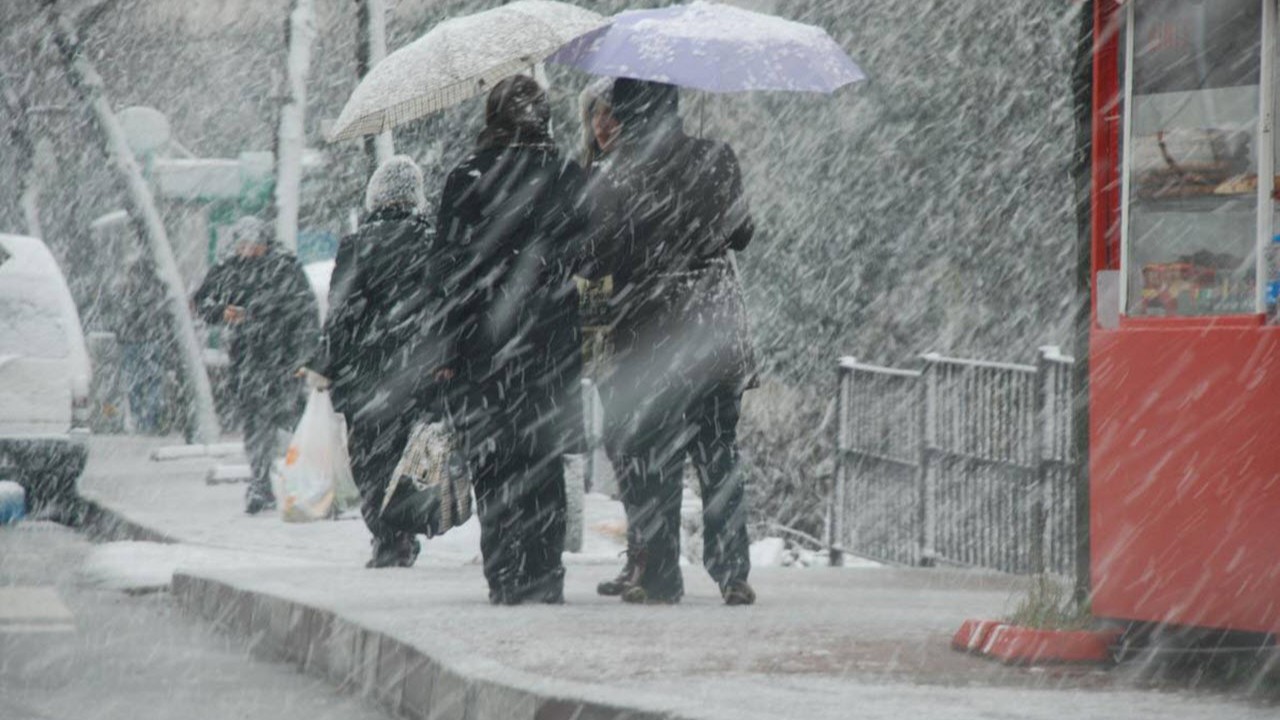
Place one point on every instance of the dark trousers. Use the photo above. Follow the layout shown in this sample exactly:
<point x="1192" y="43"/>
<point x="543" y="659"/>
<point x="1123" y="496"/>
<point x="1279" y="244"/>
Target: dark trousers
<point x="375" y="447"/>
<point x="520" y="499"/>
<point x="703" y="425"/>
<point x="616" y="413"/>
<point x="269" y="413"/>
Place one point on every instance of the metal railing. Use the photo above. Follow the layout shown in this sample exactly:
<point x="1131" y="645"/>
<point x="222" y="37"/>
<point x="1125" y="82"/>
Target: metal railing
<point x="879" y="423"/>
<point x="965" y="462"/>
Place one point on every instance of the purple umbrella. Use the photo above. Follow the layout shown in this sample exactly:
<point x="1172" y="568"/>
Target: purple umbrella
<point x="715" y="48"/>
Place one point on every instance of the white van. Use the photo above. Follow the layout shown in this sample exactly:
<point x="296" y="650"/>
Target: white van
<point x="44" y="373"/>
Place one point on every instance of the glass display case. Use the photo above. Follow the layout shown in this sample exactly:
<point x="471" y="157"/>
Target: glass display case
<point x="1198" y="158"/>
<point x="1183" y="378"/>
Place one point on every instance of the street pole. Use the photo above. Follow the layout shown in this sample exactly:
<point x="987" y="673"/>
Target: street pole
<point x="88" y="84"/>
<point x="371" y="48"/>
<point x="300" y="33"/>
<point x="1082" y="88"/>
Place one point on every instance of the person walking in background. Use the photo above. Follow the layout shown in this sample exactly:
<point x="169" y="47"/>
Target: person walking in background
<point x="261" y="294"/>
<point x="683" y="360"/>
<point x="144" y="343"/>
<point x="377" y="356"/>
<point x="511" y="219"/>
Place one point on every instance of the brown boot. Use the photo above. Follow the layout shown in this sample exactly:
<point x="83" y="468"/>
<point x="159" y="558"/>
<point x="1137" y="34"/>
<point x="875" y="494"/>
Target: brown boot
<point x="637" y="595"/>
<point x="629" y="576"/>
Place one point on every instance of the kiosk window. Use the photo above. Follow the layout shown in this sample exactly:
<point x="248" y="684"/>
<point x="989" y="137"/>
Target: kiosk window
<point x="1193" y="157"/>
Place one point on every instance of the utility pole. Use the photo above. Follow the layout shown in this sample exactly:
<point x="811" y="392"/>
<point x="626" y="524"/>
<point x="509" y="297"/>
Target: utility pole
<point x="371" y="48"/>
<point x="88" y="84"/>
<point x="1082" y="91"/>
<point x="291" y="135"/>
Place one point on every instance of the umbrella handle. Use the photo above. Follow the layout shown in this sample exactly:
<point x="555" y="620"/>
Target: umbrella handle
<point x="702" y="114"/>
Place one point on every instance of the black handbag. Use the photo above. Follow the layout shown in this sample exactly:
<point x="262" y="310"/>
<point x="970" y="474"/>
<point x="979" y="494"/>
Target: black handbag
<point x="430" y="490"/>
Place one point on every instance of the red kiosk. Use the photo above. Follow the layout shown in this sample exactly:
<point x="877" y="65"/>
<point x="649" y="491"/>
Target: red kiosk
<point x="1184" y="347"/>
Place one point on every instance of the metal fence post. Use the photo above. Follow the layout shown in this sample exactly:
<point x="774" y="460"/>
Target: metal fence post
<point x="836" y="531"/>
<point x="925" y="511"/>
<point x="1045" y="375"/>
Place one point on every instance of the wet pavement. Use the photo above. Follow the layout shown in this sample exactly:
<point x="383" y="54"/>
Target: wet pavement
<point x="72" y="652"/>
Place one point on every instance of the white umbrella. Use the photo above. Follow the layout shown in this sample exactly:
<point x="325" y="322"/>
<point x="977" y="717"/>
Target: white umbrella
<point x="459" y="59"/>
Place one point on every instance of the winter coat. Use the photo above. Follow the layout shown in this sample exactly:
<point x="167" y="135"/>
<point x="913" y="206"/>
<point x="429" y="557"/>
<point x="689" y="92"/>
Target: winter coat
<point x="595" y="285"/>
<point x="679" y="313"/>
<point x="512" y="220"/>
<point x="281" y="325"/>
<point x="379" y="353"/>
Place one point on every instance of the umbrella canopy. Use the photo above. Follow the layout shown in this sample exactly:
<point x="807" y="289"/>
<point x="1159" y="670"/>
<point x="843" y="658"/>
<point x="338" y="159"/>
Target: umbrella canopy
<point x="715" y="48"/>
<point x="459" y="59"/>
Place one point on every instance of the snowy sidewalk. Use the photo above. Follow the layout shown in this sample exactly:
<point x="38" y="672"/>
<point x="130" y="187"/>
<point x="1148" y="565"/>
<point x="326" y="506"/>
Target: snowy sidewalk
<point x="821" y="643"/>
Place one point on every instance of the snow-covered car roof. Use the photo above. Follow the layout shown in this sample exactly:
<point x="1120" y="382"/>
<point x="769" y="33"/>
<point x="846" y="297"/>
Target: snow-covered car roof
<point x="27" y="262"/>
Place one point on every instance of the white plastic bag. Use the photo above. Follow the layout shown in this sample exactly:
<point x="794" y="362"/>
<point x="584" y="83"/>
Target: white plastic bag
<point x="316" y="477"/>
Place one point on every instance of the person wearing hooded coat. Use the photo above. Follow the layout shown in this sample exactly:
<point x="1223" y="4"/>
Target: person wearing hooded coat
<point x="511" y="217"/>
<point x="378" y="353"/>
<point x="682" y="356"/>
<point x="262" y="296"/>
<point x="599" y="138"/>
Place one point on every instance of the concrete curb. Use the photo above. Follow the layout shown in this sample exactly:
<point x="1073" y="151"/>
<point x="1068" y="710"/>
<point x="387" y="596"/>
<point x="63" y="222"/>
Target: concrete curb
<point x="401" y="678"/>
<point x="104" y="524"/>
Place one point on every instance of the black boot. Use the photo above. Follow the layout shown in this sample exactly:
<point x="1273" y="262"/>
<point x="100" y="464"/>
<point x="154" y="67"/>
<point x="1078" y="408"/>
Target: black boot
<point x="648" y="586"/>
<point x="550" y="589"/>
<point x="395" y="551"/>
<point x="637" y="595"/>
<point x="629" y="576"/>
<point x="738" y="592"/>
<point x="259" y="498"/>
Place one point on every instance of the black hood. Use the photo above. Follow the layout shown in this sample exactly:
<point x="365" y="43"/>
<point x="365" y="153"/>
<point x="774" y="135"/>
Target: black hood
<point x="645" y="107"/>
<point x="516" y="113"/>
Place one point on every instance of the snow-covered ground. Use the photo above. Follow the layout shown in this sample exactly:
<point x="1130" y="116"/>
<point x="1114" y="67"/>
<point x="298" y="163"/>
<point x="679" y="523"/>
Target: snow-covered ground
<point x="819" y="643"/>
<point x="162" y="488"/>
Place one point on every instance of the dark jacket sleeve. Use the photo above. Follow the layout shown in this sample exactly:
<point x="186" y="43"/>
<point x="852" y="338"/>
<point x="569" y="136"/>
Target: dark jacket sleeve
<point x="346" y="273"/>
<point x="283" y="311"/>
<point x="736" y="222"/>
<point x="213" y="295"/>
<point x="451" y="276"/>
<point x="302" y="314"/>
<point x="335" y="343"/>
<point x="575" y="228"/>
<point x="604" y="241"/>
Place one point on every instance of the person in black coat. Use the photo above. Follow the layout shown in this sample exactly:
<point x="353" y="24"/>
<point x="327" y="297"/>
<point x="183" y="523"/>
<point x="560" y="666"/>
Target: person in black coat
<point x="262" y="295"/>
<point x="682" y="356"/>
<point x="511" y="217"/>
<point x="378" y="355"/>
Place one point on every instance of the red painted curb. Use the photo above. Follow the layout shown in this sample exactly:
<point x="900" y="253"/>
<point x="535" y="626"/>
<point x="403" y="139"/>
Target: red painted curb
<point x="1016" y="645"/>
<point x="973" y="635"/>
<point x="1028" y="646"/>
